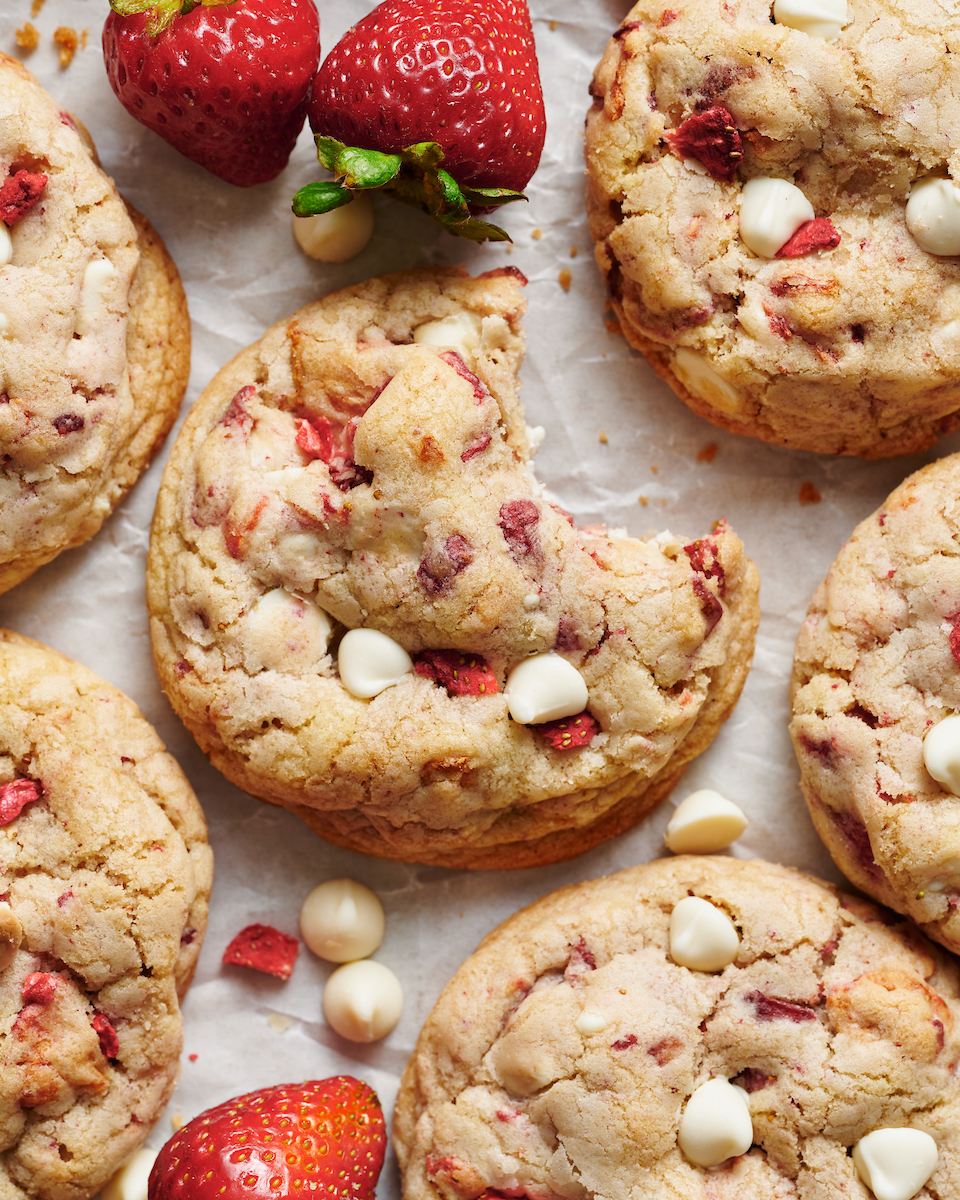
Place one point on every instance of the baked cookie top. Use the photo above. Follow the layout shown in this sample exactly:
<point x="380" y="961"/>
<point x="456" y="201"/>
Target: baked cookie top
<point x="562" y="1057"/>
<point x="104" y="880"/>
<point x="366" y="466"/>
<point x="877" y="666"/>
<point x="846" y="337"/>
<point x="94" y="339"/>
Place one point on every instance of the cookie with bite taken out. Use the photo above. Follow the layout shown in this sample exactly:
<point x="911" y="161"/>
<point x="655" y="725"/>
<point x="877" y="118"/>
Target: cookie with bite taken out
<point x="365" y="608"/>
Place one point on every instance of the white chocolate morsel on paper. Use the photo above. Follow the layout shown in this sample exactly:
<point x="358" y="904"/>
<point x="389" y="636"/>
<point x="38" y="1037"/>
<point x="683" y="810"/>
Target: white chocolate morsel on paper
<point x="460" y="332"/>
<point x="341" y="920"/>
<point x="338" y="235"/>
<point x="6" y="245"/>
<point x="591" y="1021"/>
<point x="895" y="1163"/>
<point x="716" y="1124"/>
<point x="702" y="936"/>
<point x="941" y="753"/>
<point x="704" y="823"/>
<point x="933" y="215"/>
<point x="701" y="380"/>
<point x="370" y="662"/>
<point x="98" y="273"/>
<point x="545" y="688"/>
<point x="285" y="632"/>
<point x="363" y="1001"/>
<point x="771" y="212"/>
<point x="130" y="1182"/>
<point x="818" y="18"/>
<point x="11" y="935"/>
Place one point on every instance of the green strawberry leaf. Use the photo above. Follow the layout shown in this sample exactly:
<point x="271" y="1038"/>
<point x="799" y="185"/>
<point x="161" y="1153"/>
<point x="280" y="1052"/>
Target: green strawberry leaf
<point x="162" y="12"/>
<point x="320" y="197"/>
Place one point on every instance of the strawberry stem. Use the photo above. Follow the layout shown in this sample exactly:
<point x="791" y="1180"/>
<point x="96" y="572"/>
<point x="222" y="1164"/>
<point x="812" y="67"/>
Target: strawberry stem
<point x="162" y="13"/>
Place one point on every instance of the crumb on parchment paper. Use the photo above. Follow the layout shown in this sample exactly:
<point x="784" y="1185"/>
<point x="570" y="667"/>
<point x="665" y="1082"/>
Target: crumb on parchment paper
<point x="67" y="38"/>
<point x="809" y="494"/>
<point x="28" y="37"/>
<point x="565" y="278"/>
<point x="602" y="437"/>
<point x="708" y="453"/>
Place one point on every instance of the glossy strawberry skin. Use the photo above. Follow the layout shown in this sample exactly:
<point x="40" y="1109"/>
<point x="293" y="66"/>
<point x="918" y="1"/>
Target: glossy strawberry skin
<point x="459" y="72"/>
<point x="227" y="86"/>
<point x="323" y="1138"/>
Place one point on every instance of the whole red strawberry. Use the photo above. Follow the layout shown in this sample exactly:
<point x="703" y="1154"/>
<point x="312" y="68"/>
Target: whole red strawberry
<point x="226" y="82"/>
<point x="420" y="82"/>
<point x="325" y="1137"/>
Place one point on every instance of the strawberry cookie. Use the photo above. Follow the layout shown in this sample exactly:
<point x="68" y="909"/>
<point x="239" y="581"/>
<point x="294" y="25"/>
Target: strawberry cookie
<point x="94" y="334"/>
<point x="773" y="194"/>
<point x="366" y="609"/>
<point x="104" y="881"/>
<point x="876" y="703"/>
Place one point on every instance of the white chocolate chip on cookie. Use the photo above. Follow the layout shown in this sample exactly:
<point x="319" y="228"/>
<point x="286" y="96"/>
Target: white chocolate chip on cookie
<point x="285" y="632"/>
<point x="363" y="1001"/>
<point x="771" y="212"/>
<point x="591" y="1021"/>
<point x="895" y="1163"/>
<point x="702" y="936"/>
<point x="698" y="377"/>
<point x="98" y="273"/>
<point x="933" y="215"/>
<point x="817" y="18"/>
<point x="342" y="920"/>
<point x="460" y="332"/>
<point x="545" y="688"/>
<point x="941" y="753"/>
<point x="716" y="1124"/>
<point x="370" y="662"/>
<point x="11" y="935"/>
<point x="6" y="245"/>
<point x="704" y="823"/>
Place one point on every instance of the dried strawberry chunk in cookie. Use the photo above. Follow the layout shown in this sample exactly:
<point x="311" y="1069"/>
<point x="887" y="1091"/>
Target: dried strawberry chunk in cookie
<point x="19" y="192"/>
<point x="460" y="674"/>
<point x="14" y="796"/>
<point x="712" y="138"/>
<point x="569" y="733"/>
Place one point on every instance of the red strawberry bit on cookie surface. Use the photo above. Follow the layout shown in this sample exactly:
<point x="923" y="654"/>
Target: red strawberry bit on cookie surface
<point x="818" y="234"/>
<point x="569" y="733"/>
<point x="15" y="796"/>
<point x="107" y="1035"/>
<point x="460" y="674"/>
<point x="19" y="192"/>
<point x="263" y="948"/>
<point x="317" y="437"/>
<point x="712" y="138"/>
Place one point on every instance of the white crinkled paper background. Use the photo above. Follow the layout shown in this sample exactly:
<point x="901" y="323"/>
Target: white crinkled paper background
<point x="614" y="433"/>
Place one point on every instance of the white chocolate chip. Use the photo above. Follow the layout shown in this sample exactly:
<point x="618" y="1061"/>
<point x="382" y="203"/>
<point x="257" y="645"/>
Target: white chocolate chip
<point x="699" y="378"/>
<point x="11" y="935"/>
<point x="702" y="936"/>
<point x="335" y="236"/>
<point x="947" y="876"/>
<point x="591" y="1021"/>
<point x="363" y="1001"/>
<point x="933" y="215"/>
<point x="342" y="920"/>
<point x="704" y="823"/>
<point x="461" y="332"/>
<point x="98" y="273"/>
<point x="130" y="1182"/>
<point x="301" y="545"/>
<point x="531" y="601"/>
<point x="771" y="212"/>
<point x="284" y="632"/>
<point x="817" y="18"/>
<point x="895" y="1163"/>
<point x="716" y="1124"/>
<point x="535" y="436"/>
<point x="370" y="662"/>
<point x="941" y="753"/>
<point x="6" y="245"/>
<point x="545" y="688"/>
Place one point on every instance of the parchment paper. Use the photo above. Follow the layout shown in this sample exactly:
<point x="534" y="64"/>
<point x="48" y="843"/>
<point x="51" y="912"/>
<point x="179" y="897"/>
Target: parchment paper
<point x="614" y="434"/>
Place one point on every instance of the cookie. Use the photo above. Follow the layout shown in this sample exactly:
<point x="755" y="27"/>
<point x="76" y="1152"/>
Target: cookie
<point x="104" y="881"/>
<point x="834" y="329"/>
<point x="350" y="505"/>
<point x="877" y="666"/>
<point x="568" y="1055"/>
<point x="94" y="334"/>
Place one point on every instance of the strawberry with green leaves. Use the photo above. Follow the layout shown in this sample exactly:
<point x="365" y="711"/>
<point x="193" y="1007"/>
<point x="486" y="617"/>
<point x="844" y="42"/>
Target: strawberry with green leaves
<point x="226" y="82"/>
<point x="322" y="1138"/>
<point x="436" y="101"/>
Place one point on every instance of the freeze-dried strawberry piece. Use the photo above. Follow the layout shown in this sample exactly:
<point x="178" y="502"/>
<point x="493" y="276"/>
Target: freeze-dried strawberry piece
<point x="236" y="413"/>
<point x="264" y="949"/>
<point x="442" y="564"/>
<point x="18" y="194"/>
<point x="453" y="359"/>
<point x="109" y="1042"/>
<point x="752" y="1079"/>
<point x="39" y="987"/>
<point x="710" y="606"/>
<point x="818" y="234"/>
<point x="317" y="438"/>
<point x="705" y="560"/>
<point x="460" y="674"/>
<point x="569" y="733"/>
<point x="769" y="1008"/>
<point x="955" y="639"/>
<point x="518" y="521"/>
<point x="712" y="138"/>
<point x="476" y="447"/>
<point x="14" y="795"/>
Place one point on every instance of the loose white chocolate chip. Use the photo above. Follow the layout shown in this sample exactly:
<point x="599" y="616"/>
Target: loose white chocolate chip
<point x="370" y="662"/>
<point x="933" y="215"/>
<point x="461" y="332"/>
<point x="285" y="632"/>
<point x="545" y="688"/>
<point x="591" y="1021"/>
<point x="98" y="273"/>
<point x="363" y="1001"/>
<point x="941" y="753"/>
<point x="342" y="920"/>
<point x="11" y="935"/>
<point x="702" y="936"/>
<point x="771" y="212"/>
<point x="6" y="245"/>
<point x="700" y="379"/>
<point x="704" y="823"/>
<point x="895" y="1163"/>
<point x="818" y="18"/>
<point x="130" y="1182"/>
<point x="716" y="1124"/>
<point x="338" y="235"/>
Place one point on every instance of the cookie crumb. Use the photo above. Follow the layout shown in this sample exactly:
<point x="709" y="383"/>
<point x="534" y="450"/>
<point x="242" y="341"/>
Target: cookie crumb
<point x="655" y="470"/>
<point x="35" y="7"/>
<point x="574" y="251"/>
<point x="602" y="437"/>
<point x="537" y="235"/>
<point x="565" y="278"/>
<point x="553" y="26"/>
<point x="613" y="326"/>
<point x="28" y="37"/>
<point x="176" y="1121"/>
<point x="66" y="38"/>
<point x="644" y="500"/>
<point x="809" y="494"/>
<point x="278" y="1022"/>
<point x="708" y="453"/>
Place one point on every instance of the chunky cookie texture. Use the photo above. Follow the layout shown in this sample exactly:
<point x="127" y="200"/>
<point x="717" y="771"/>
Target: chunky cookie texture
<point x="877" y="666"/>
<point x="561" y="1058"/>
<point x="104" y="880"/>
<point x="843" y="335"/>
<point x="94" y="335"/>
<point x="365" y="468"/>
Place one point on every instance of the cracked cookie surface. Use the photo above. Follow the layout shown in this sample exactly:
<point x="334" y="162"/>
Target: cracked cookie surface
<point x="340" y="474"/>
<point x="105" y="876"/>
<point x="853" y="349"/>
<point x="94" y="334"/>
<point x="875" y="669"/>
<point x="558" y="1060"/>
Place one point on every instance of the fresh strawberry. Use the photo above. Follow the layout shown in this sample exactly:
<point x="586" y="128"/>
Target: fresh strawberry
<point x="325" y="1137"/>
<point x="420" y="82"/>
<point x="226" y="82"/>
